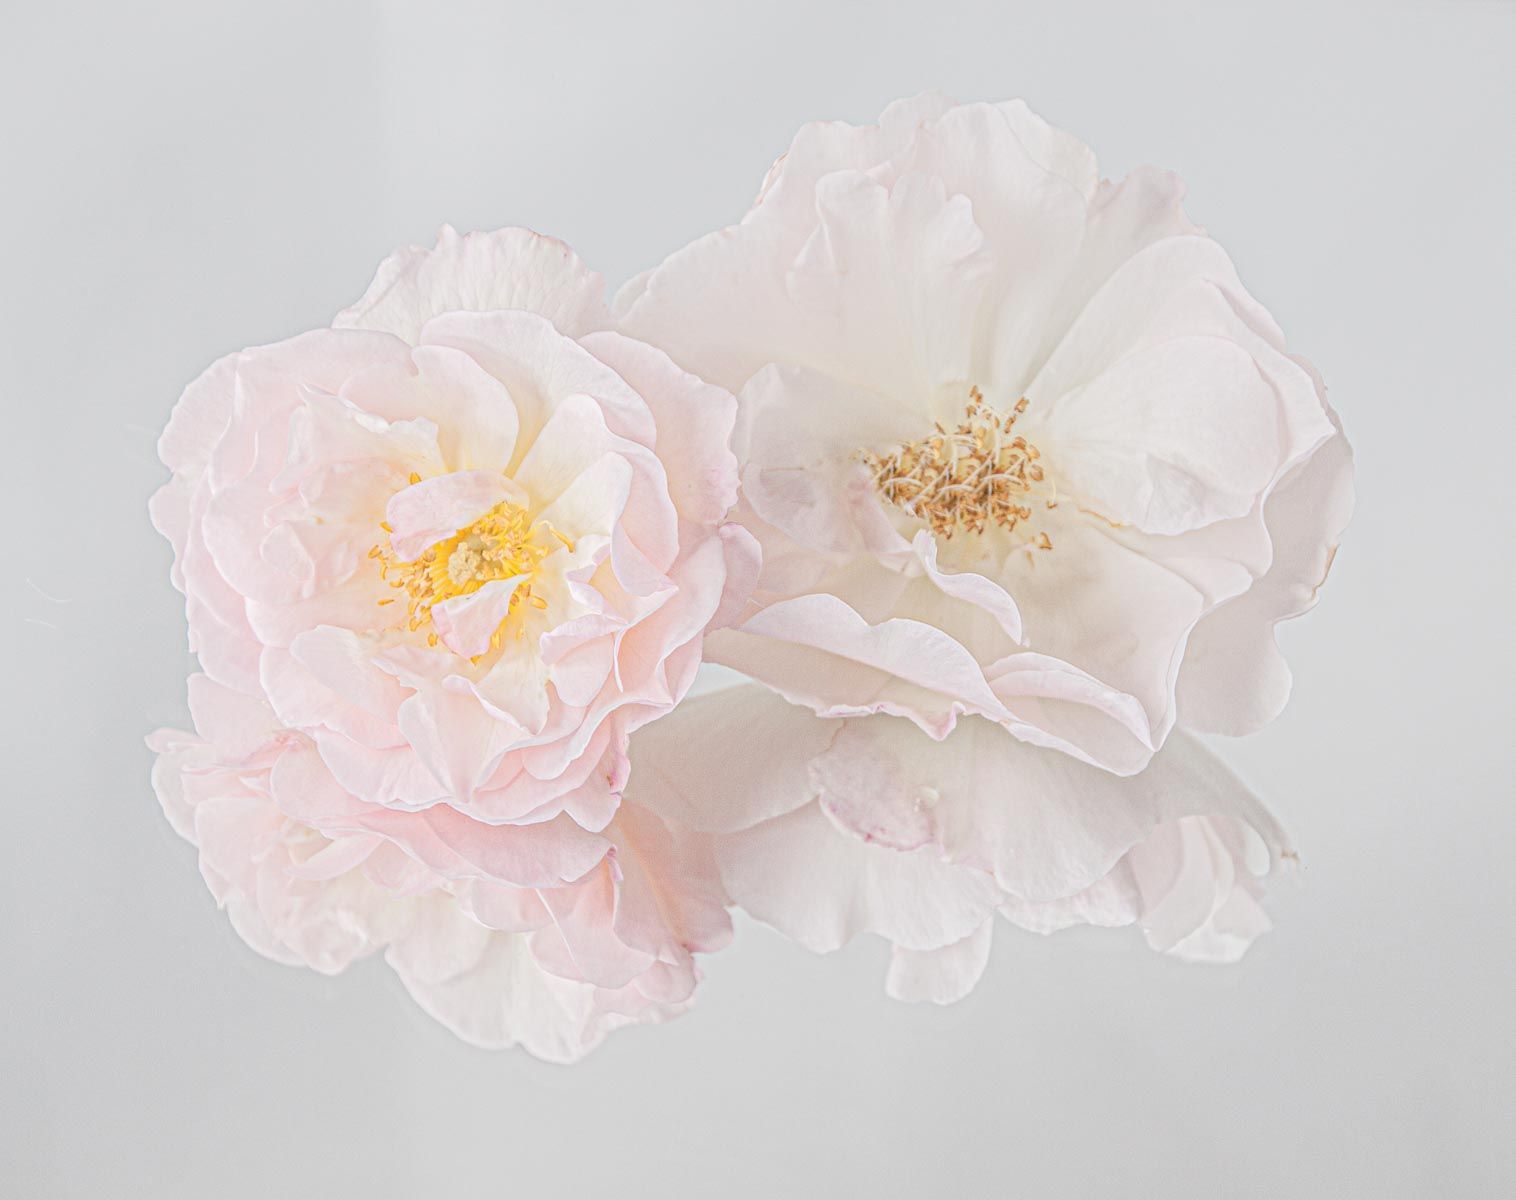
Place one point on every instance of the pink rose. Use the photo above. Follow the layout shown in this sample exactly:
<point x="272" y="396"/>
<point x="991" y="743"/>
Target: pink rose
<point x="466" y="553"/>
<point x="440" y="563"/>
<point x="827" y="829"/>
<point x="546" y="936"/>
<point x="1016" y="442"/>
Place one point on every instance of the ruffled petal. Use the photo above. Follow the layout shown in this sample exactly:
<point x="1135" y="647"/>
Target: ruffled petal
<point x="480" y="272"/>
<point x="942" y="976"/>
<point x="1234" y="679"/>
<point x="822" y="886"/>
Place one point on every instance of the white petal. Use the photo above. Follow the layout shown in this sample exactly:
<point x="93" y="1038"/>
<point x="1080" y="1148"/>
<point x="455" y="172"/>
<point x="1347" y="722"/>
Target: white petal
<point x="940" y="677"/>
<point x="1168" y="439"/>
<point x="801" y="435"/>
<point x="968" y="586"/>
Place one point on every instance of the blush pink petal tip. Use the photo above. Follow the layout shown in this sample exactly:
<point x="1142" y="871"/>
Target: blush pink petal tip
<point x="827" y="829"/>
<point x="1187" y="482"/>
<point x="440" y="563"/>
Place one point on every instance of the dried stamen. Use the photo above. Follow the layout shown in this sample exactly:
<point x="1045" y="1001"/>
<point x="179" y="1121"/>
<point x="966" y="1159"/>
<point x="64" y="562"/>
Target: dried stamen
<point x="982" y="473"/>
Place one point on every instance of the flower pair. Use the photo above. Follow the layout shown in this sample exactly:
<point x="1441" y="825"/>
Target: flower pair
<point x="989" y="475"/>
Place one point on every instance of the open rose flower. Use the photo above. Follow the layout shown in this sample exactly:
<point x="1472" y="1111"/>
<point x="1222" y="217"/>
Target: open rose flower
<point x="509" y="935"/>
<point x="828" y="828"/>
<point x="1016" y="442"/>
<point x="467" y="553"/>
<point x="454" y="551"/>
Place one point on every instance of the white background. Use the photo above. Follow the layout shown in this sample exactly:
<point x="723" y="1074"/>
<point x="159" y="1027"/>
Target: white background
<point x="180" y="180"/>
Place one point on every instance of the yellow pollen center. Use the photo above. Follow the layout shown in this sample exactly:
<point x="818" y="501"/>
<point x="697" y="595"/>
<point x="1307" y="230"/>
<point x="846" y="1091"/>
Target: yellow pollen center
<point x="982" y="473"/>
<point x="502" y="544"/>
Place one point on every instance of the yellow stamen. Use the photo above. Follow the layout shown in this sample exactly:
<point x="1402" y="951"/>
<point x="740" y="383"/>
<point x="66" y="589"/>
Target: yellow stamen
<point x="502" y="544"/>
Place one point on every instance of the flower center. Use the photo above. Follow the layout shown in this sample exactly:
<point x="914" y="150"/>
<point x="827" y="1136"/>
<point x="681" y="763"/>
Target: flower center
<point x="982" y="473"/>
<point x="502" y="544"/>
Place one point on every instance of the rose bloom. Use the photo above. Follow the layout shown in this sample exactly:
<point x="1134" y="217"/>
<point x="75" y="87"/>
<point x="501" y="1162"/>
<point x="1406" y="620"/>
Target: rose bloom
<point x="452" y="553"/>
<point x="1015" y="441"/>
<point x="831" y="828"/>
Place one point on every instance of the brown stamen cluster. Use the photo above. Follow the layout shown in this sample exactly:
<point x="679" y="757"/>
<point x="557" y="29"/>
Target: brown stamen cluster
<point x="982" y="473"/>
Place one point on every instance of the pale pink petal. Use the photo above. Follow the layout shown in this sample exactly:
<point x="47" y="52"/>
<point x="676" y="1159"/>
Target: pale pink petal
<point x="509" y="268"/>
<point x="579" y="675"/>
<point x="434" y="509"/>
<point x="942" y="976"/>
<point x="592" y="504"/>
<point x="1046" y="825"/>
<point x="337" y="858"/>
<point x="744" y="561"/>
<point x="1114" y="615"/>
<point x="455" y="739"/>
<point x="501" y="908"/>
<point x="1234" y="678"/>
<point x="803" y="436"/>
<point x="574" y="437"/>
<point x="945" y="675"/>
<point x="199" y="418"/>
<point x="892" y="278"/>
<point x="694" y="425"/>
<point x="515" y="690"/>
<point x="239" y="723"/>
<point x="327" y="431"/>
<point x="473" y="412"/>
<point x="343" y="661"/>
<point x="467" y="623"/>
<point x="1049" y="703"/>
<point x="440" y="943"/>
<point x="540" y="366"/>
<point x="968" y="586"/>
<point x="727" y="760"/>
<point x="822" y="886"/>
<point x="1197" y="878"/>
<point x="580" y="942"/>
<point x="544" y="855"/>
<point x="1168" y="439"/>
<point x="670" y="900"/>
<point x="507" y="999"/>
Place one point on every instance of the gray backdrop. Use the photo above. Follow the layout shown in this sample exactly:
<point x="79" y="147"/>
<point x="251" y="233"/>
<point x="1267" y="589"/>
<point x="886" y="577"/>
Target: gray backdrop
<point x="181" y="180"/>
